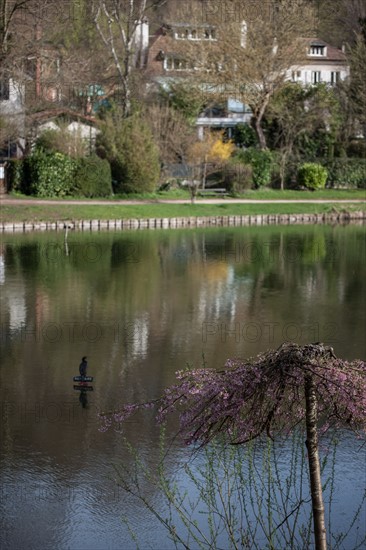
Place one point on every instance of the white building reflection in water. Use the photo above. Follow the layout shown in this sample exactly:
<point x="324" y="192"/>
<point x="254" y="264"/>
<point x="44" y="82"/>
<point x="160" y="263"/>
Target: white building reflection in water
<point x="2" y="269"/>
<point x="138" y="335"/>
<point x="13" y="304"/>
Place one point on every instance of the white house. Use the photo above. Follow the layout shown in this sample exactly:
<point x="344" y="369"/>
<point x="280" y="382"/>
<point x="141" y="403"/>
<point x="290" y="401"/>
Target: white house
<point x="80" y="127"/>
<point x="11" y="96"/>
<point x="12" y="108"/>
<point x="166" y="63"/>
<point x="322" y="63"/>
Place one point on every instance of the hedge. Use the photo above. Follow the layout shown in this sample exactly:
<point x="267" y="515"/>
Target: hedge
<point x="45" y="174"/>
<point x="345" y="172"/>
<point x="342" y="172"/>
<point x="48" y="174"/>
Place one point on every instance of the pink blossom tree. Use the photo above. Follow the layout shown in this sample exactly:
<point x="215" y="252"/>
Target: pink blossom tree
<point x="268" y="395"/>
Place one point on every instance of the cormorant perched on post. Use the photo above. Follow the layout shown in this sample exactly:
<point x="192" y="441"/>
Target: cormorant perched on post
<point x="83" y="366"/>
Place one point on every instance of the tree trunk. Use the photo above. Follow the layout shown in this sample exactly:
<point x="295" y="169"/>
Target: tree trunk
<point x="259" y="131"/>
<point x="204" y="174"/>
<point x="258" y="114"/>
<point x="314" y="464"/>
<point x="283" y="169"/>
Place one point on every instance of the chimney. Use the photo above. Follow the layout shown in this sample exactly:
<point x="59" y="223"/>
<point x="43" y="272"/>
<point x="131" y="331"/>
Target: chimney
<point x="344" y="47"/>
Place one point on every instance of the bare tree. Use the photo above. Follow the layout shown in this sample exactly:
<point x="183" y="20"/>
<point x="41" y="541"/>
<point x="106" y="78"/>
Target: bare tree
<point x="122" y="27"/>
<point x="172" y="132"/>
<point x="46" y="62"/>
<point x="258" y="48"/>
<point x="298" y="112"/>
<point x="340" y="21"/>
<point x="233" y="49"/>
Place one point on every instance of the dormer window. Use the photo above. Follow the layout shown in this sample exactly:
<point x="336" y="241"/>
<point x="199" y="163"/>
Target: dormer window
<point x="209" y="34"/>
<point x="318" y="50"/>
<point x="202" y="32"/>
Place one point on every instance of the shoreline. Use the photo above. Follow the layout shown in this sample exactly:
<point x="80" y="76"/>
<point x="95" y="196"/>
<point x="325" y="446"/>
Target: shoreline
<point x="184" y="222"/>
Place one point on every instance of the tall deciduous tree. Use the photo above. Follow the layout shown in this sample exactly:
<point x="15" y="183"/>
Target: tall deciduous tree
<point x="39" y="65"/>
<point x="258" y="49"/>
<point x="338" y="21"/>
<point x="9" y="14"/>
<point x="172" y="132"/>
<point x="296" y="113"/>
<point x="269" y="395"/>
<point x="8" y="131"/>
<point x="120" y="25"/>
<point x="358" y="78"/>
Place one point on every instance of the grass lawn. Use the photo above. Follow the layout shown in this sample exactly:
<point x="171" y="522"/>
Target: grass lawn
<point x="328" y="194"/>
<point x="268" y="194"/>
<point x="58" y="211"/>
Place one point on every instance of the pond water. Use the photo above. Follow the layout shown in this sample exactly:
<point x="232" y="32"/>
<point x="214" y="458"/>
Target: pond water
<point x="142" y="305"/>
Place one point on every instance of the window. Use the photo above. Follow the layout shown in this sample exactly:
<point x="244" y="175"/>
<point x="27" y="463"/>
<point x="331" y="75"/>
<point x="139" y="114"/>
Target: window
<point x="209" y="34"/>
<point x="4" y="89"/>
<point x="296" y="75"/>
<point x="181" y="34"/>
<point x="335" y="77"/>
<point x="200" y="33"/>
<point x="315" y="77"/>
<point x="318" y="49"/>
<point x="172" y="63"/>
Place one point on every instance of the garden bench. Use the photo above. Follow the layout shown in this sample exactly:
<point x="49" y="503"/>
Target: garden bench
<point x="212" y="192"/>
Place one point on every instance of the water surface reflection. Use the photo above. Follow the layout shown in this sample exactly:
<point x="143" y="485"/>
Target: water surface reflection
<point x="141" y="306"/>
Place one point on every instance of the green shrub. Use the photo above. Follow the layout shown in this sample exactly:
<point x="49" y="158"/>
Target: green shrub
<point x="244" y="135"/>
<point x="50" y="141"/>
<point x="238" y="177"/>
<point x="63" y="141"/>
<point x="48" y="174"/>
<point x="261" y="163"/>
<point x="312" y="175"/>
<point x="14" y="175"/>
<point x="134" y="158"/>
<point x="92" y="177"/>
<point x="357" y="148"/>
<point x="349" y="172"/>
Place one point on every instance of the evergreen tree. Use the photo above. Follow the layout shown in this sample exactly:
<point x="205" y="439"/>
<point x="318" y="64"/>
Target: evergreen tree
<point x="129" y="146"/>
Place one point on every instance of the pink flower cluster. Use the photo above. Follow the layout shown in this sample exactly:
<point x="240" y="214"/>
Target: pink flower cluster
<point x="261" y="395"/>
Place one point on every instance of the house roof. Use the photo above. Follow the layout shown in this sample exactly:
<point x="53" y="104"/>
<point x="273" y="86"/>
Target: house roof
<point x="332" y="53"/>
<point x="49" y="114"/>
<point x="164" y="44"/>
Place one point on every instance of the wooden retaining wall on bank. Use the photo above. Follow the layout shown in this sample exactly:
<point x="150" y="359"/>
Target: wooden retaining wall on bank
<point x="191" y="222"/>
